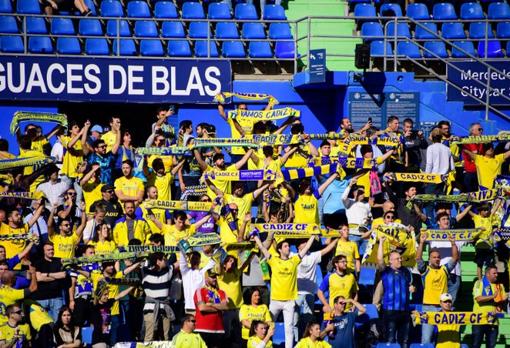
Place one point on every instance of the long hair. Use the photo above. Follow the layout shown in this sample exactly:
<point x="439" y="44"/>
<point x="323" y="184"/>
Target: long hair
<point x="248" y="294"/>
<point x="254" y="325"/>
<point x="98" y="231"/>
<point x="308" y="328"/>
<point x="59" y="324"/>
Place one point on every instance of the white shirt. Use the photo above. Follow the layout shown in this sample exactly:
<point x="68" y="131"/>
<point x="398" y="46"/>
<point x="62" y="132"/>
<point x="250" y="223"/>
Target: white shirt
<point x="53" y="192"/>
<point x="439" y="159"/>
<point x="192" y="279"/>
<point x="39" y="228"/>
<point x="89" y="230"/>
<point x="307" y="273"/>
<point x="57" y="151"/>
<point x="357" y="212"/>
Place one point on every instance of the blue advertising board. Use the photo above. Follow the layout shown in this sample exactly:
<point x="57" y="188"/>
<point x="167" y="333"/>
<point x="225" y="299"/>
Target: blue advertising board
<point x="473" y="77"/>
<point x="113" y="79"/>
<point x="317" y="66"/>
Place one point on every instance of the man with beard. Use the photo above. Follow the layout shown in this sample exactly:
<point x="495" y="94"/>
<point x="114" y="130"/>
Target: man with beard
<point x="130" y="226"/>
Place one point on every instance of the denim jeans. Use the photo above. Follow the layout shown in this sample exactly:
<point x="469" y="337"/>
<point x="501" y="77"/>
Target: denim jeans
<point x="489" y="331"/>
<point x="454" y="282"/>
<point x="427" y="331"/>
<point x="52" y="306"/>
<point x="303" y="313"/>
<point x="396" y="324"/>
<point x="362" y="243"/>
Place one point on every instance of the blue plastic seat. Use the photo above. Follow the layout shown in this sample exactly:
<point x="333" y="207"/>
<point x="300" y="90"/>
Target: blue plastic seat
<point x="494" y="49"/>
<point x="402" y="30"/>
<point x="365" y="10"/>
<point x="138" y="9"/>
<point x="390" y="10"/>
<point x="146" y="29"/>
<point x="279" y="31"/>
<point x="233" y="49"/>
<point x="40" y="44"/>
<point x="92" y="7"/>
<point x="367" y="274"/>
<point x="5" y="6"/>
<point x="418" y="11"/>
<point x="477" y="30"/>
<point x="97" y="47"/>
<point x="387" y="345"/>
<point x="165" y="9"/>
<point x="151" y="48"/>
<point x="86" y="334"/>
<point x="420" y="33"/>
<point x="435" y="49"/>
<point x="28" y="7"/>
<point x="471" y="10"/>
<point x="62" y="26"/>
<point x="122" y="25"/>
<point x="68" y="45"/>
<point x="370" y="314"/>
<point x="219" y="10"/>
<point x="201" y="49"/>
<point x="274" y="12"/>
<point x="245" y="12"/>
<point x="179" y="48"/>
<point x="36" y="25"/>
<point x="466" y="46"/>
<point x="444" y="11"/>
<point x="422" y="345"/>
<point x="226" y="30"/>
<point x="125" y="47"/>
<point x="253" y="31"/>
<point x="8" y="25"/>
<point x="192" y="10"/>
<point x="172" y="29"/>
<point x="90" y="27"/>
<point x="279" y="334"/>
<point x="11" y="44"/>
<point x="284" y="49"/>
<point x="377" y="49"/>
<point x="503" y="31"/>
<point x="112" y="8"/>
<point x="408" y="49"/>
<point x="372" y="31"/>
<point x="199" y="30"/>
<point x="260" y="49"/>
<point x="454" y="30"/>
<point x="499" y="10"/>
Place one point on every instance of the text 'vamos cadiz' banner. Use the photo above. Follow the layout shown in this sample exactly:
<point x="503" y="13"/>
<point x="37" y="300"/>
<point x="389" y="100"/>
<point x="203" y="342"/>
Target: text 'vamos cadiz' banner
<point x="113" y="79"/>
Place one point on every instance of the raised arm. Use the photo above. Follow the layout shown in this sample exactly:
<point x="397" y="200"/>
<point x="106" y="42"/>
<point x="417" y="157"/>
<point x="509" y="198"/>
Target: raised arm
<point x="123" y="293"/>
<point x="200" y="160"/>
<point x="462" y="214"/>
<point x="239" y="164"/>
<point x="261" y="189"/>
<point x="178" y="167"/>
<point x="221" y="111"/>
<point x="37" y="214"/>
<point x="332" y="244"/>
<point x="419" y="251"/>
<point x="86" y="178"/>
<point x="307" y="247"/>
<point x="79" y="230"/>
<point x="118" y="139"/>
<point x="326" y="183"/>
<point x="262" y="248"/>
<point x="84" y="144"/>
<point x="287" y="155"/>
<point x="380" y="254"/>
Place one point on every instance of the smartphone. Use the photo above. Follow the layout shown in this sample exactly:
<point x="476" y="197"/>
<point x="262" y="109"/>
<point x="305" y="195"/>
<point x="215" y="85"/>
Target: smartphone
<point x="370" y="119"/>
<point x="174" y="108"/>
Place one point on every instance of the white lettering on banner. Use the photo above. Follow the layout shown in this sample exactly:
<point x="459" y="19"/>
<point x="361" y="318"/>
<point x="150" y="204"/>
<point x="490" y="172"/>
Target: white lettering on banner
<point x="212" y="70"/>
<point x="112" y="70"/>
<point x="160" y="77"/>
<point x="132" y="79"/>
<point x="36" y="79"/>
<point x="478" y="75"/>
<point x="481" y="92"/>
<point x="92" y="78"/>
<point x="74" y="78"/>
<point x="194" y="82"/>
<point x="173" y="82"/>
<point x="49" y="78"/>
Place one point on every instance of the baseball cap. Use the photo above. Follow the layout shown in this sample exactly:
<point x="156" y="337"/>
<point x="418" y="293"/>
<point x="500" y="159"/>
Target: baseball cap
<point x="107" y="187"/>
<point x="96" y="128"/>
<point x="446" y="297"/>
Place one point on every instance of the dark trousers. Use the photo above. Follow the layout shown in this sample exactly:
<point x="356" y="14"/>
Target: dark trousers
<point x="470" y="182"/>
<point x="489" y="331"/>
<point x="396" y="325"/>
<point x="213" y="340"/>
<point x="82" y="311"/>
<point x="232" y="328"/>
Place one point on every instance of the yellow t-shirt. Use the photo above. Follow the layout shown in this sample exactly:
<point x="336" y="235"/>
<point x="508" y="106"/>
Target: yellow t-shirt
<point x="173" y="236"/>
<point x="306" y="208"/>
<point x="130" y="187"/>
<point x="113" y="289"/>
<point x="8" y="296"/>
<point x="484" y="240"/>
<point x="247" y="126"/>
<point x="159" y="214"/>
<point x="364" y="180"/>
<point x="7" y="333"/>
<point x="72" y="158"/>
<point x="91" y="193"/>
<point x="109" y="138"/>
<point x="487" y="169"/>
<point x="254" y="341"/>
<point x="284" y="278"/>
<point x="105" y="247"/>
<point x="298" y="159"/>
<point x="39" y="144"/>
<point x="228" y="235"/>
<point x="339" y="285"/>
<point x="435" y="283"/>
<point x="187" y="340"/>
<point x="308" y="343"/>
<point x="249" y="312"/>
<point x="243" y="203"/>
<point x="163" y="184"/>
<point x="13" y="247"/>
<point x="39" y="317"/>
<point x="65" y="245"/>
<point x="30" y="169"/>
<point x="350" y="250"/>
<point x="489" y="306"/>
<point x="448" y="336"/>
<point x="230" y="282"/>
<point x="222" y="185"/>
<point x="168" y="161"/>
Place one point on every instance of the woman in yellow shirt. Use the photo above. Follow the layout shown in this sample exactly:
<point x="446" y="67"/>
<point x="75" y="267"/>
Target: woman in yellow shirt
<point x="252" y="311"/>
<point x="312" y="337"/>
<point x="102" y="240"/>
<point x="260" y="335"/>
<point x="307" y="203"/>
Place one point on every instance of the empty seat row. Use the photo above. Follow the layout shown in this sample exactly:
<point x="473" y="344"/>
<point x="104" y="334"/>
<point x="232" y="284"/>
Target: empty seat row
<point x="429" y="30"/>
<point x="435" y="49"/>
<point x="441" y="11"/>
<point x="127" y="47"/>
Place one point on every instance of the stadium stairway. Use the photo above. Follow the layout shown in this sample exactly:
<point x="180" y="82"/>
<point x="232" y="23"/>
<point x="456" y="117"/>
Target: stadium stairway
<point x="302" y="8"/>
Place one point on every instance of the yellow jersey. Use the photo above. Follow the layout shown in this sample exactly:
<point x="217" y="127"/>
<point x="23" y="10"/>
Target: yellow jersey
<point x="8" y="296"/>
<point x="249" y="312"/>
<point x="72" y="157"/>
<point x="284" y="278"/>
<point x="65" y="245"/>
<point x="487" y="169"/>
<point x="484" y="240"/>
<point x="109" y="138"/>
<point x="481" y="289"/>
<point x="129" y="186"/>
<point x="13" y="247"/>
<point x="91" y="193"/>
<point x="306" y="209"/>
<point x="339" y="285"/>
<point x="172" y="235"/>
<point x="254" y="341"/>
<point x="435" y="283"/>
<point x="105" y="247"/>
<point x="247" y="126"/>
<point x="7" y="333"/>
<point x="222" y="185"/>
<point x="230" y="283"/>
<point x="448" y="336"/>
<point x="163" y="184"/>
<point x="187" y="340"/>
<point x="308" y="343"/>
<point x="350" y="250"/>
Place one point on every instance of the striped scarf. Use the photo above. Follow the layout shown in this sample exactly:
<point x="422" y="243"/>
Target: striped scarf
<point x="23" y="195"/>
<point x="36" y="116"/>
<point x="36" y="162"/>
<point x="220" y="98"/>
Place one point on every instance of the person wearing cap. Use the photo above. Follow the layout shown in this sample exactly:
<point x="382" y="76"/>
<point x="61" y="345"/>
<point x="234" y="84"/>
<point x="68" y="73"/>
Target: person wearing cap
<point x="113" y="209"/>
<point x="448" y="335"/>
<point x="210" y="302"/>
<point x="435" y="280"/>
<point x="95" y="133"/>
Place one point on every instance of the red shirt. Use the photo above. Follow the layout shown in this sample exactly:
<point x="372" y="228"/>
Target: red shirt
<point x="469" y="164"/>
<point x="211" y="322"/>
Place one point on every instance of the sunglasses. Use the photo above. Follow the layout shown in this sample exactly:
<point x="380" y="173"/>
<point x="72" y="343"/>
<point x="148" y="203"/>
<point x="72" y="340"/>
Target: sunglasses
<point x="192" y="320"/>
<point x="71" y="193"/>
<point x="480" y="129"/>
<point x="66" y="225"/>
<point x="19" y="312"/>
<point x="389" y="217"/>
<point x="101" y="147"/>
<point x="109" y="191"/>
<point x="205" y="200"/>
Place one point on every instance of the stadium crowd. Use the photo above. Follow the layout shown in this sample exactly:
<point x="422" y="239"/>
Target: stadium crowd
<point x="231" y="288"/>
